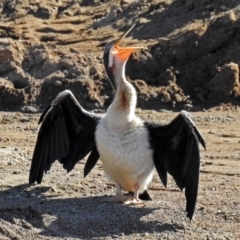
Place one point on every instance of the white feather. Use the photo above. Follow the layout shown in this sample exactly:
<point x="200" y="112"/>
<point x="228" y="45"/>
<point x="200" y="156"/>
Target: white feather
<point x="125" y="152"/>
<point x="61" y="96"/>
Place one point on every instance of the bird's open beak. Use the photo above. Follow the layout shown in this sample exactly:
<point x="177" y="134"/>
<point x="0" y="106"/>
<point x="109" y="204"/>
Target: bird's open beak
<point x="124" y="52"/>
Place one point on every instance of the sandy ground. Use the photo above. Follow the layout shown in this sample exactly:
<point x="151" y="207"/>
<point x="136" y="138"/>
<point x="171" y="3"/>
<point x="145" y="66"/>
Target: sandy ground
<point x="67" y="206"/>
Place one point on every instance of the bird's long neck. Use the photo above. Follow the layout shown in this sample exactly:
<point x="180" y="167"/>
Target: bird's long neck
<point x="125" y="100"/>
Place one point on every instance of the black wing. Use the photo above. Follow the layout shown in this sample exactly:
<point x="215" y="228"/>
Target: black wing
<point x="176" y="151"/>
<point x="67" y="134"/>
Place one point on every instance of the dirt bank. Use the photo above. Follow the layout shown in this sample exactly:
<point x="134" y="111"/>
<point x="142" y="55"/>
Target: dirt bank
<point x="192" y="53"/>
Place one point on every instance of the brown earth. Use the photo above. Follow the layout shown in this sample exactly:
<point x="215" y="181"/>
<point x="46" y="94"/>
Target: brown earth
<point x="191" y="57"/>
<point x="191" y="61"/>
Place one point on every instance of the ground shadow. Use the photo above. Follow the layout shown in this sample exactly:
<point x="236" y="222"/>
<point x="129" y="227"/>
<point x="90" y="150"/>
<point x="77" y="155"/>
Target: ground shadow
<point x="83" y="217"/>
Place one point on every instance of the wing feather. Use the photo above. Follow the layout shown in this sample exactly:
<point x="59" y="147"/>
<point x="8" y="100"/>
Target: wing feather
<point x="67" y="134"/>
<point x="176" y="151"/>
<point x="45" y="153"/>
<point x="91" y="161"/>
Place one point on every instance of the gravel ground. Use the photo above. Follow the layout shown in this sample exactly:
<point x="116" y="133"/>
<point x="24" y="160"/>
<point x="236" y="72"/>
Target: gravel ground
<point x="67" y="206"/>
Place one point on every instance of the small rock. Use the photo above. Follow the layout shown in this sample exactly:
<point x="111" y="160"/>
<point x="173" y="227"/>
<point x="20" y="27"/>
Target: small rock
<point x="24" y="119"/>
<point x="219" y="211"/>
<point x="53" y="189"/>
<point x="187" y="106"/>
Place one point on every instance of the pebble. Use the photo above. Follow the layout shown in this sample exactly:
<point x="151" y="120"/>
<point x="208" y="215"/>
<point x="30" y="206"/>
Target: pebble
<point x="24" y="119"/>
<point x="219" y="211"/>
<point x="30" y="109"/>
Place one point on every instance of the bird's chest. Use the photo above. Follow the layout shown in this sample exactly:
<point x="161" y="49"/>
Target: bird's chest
<point x="125" y="147"/>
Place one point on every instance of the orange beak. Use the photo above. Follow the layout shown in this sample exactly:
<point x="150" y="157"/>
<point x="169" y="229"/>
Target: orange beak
<point x="124" y="52"/>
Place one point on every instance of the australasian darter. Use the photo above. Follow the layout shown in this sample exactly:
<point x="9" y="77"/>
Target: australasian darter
<point x="128" y="146"/>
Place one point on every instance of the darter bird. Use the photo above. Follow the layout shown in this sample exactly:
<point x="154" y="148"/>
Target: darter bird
<point x="128" y="146"/>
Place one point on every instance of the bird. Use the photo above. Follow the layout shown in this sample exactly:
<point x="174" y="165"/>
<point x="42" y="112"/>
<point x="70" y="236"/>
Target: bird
<point x="130" y="148"/>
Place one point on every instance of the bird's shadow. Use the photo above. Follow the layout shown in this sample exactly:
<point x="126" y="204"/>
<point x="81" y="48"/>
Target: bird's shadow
<point x="81" y="217"/>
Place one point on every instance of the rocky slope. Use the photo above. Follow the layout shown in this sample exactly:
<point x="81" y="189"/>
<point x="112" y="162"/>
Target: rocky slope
<point x="192" y="54"/>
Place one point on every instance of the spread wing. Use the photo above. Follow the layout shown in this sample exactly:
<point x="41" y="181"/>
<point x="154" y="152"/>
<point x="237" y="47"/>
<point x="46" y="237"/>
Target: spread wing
<point x="67" y="134"/>
<point x="176" y="151"/>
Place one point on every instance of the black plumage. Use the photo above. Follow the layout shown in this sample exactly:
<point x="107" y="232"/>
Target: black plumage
<point x="66" y="134"/>
<point x="176" y="151"/>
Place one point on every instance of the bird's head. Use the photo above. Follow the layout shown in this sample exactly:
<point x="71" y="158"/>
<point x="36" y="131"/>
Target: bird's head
<point x="115" y="58"/>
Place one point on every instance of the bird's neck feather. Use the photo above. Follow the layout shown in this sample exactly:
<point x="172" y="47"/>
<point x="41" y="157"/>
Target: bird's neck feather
<point x="125" y="100"/>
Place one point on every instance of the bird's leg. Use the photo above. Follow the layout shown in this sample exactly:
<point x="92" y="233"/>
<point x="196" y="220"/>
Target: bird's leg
<point x="119" y="196"/>
<point x="134" y="200"/>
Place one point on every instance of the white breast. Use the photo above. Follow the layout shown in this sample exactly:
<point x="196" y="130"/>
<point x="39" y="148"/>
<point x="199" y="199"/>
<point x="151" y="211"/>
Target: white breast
<point x="125" y="153"/>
